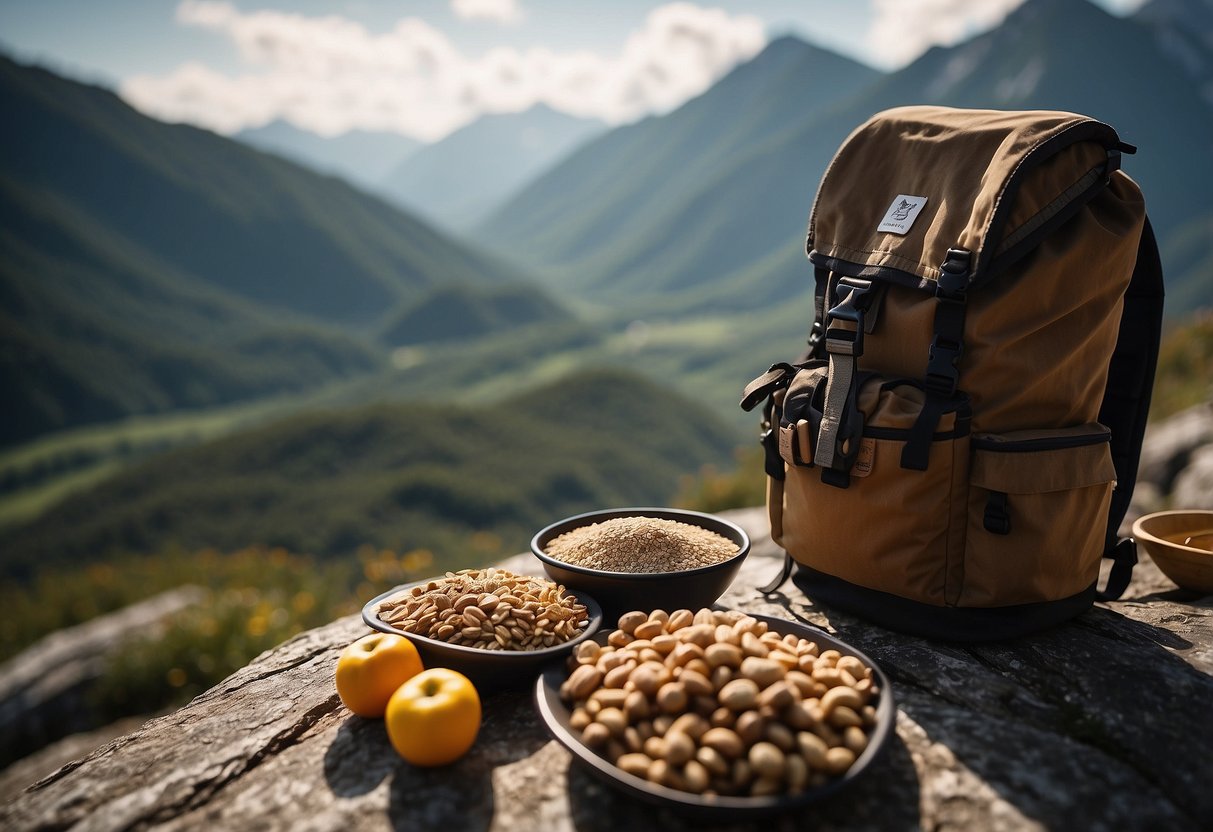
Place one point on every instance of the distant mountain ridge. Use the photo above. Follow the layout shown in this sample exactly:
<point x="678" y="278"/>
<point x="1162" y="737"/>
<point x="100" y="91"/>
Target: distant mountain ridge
<point x="607" y="219"/>
<point x="459" y="179"/>
<point x="146" y="267"/>
<point x="1183" y="30"/>
<point x="722" y="225"/>
<point x="362" y="157"/>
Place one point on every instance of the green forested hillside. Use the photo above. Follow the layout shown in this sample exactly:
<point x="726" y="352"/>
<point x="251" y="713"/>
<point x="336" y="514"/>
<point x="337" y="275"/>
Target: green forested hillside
<point x="95" y="329"/>
<point x="459" y="312"/>
<point x="147" y="267"/>
<point x="396" y="476"/>
<point x="224" y="214"/>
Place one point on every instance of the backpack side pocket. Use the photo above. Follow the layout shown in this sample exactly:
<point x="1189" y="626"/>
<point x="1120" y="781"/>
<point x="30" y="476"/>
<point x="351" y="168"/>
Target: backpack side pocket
<point x="1037" y="515"/>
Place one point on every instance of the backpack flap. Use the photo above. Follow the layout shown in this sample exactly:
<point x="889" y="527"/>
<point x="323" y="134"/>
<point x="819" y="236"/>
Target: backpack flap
<point x="914" y="182"/>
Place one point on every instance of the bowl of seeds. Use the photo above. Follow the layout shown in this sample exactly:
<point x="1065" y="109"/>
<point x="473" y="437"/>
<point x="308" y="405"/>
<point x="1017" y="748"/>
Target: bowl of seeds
<point x="496" y="627"/>
<point x="644" y="558"/>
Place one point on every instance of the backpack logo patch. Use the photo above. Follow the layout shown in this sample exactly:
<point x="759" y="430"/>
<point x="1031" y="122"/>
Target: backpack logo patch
<point x="902" y="213"/>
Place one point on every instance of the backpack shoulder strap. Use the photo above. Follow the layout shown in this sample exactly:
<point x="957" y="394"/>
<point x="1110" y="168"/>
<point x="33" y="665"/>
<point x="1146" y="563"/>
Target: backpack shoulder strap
<point x="1126" y="401"/>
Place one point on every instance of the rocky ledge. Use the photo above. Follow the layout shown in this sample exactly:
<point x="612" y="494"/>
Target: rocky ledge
<point x="1101" y="723"/>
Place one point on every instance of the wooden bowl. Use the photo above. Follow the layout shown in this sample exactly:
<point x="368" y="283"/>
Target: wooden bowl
<point x="1174" y="540"/>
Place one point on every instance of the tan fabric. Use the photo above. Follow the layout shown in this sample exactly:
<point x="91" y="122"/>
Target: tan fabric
<point x="959" y="160"/>
<point x="875" y="532"/>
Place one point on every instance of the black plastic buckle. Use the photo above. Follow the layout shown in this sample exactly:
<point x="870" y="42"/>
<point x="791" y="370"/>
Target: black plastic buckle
<point x="854" y="299"/>
<point x="953" y="280"/>
<point x="942" y="358"/>
<point x="997" y="518"/>
<point x="944" y="354"/>
<point x="772" y="461"/>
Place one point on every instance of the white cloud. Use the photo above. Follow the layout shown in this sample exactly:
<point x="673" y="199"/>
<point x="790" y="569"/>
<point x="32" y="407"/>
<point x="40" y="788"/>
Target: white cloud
<point x="501" y="11"/>
<point x="903" y="29"/>
<point x="329" y="74"/>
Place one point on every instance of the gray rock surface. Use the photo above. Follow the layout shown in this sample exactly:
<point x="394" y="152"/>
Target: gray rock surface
<point x="1194" y="485"/>
<point x="44" y="689"/>
<point x="1169" y="444"/>
<point x="1101" y="723"/>
<point x="1176" y="469"/>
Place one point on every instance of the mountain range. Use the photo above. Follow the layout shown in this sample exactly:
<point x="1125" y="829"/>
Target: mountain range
<point x="705" y="208"/>
<point x="362" y="157"/>
<point x="458" y="180"/>
<point x="147" y="267"/>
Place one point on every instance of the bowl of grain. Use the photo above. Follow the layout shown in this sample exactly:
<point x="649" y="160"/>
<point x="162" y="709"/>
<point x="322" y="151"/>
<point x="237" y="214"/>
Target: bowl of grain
<point x="496" y="627"/>
<point x="644" y="558"/>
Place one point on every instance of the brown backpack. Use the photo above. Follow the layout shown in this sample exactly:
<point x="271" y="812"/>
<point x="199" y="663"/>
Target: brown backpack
<point x="956" y="451"/>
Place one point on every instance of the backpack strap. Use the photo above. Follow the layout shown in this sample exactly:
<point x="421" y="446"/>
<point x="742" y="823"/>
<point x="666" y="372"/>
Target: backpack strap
<point x="1126" y="401"/>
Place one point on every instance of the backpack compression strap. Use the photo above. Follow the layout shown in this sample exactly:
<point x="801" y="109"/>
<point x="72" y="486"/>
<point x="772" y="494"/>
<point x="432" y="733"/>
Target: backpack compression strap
<point x="1126" y="401"/>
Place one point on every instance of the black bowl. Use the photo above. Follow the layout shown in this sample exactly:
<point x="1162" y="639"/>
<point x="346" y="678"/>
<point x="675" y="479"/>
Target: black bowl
<point x="555" y="715"/>
<point x="619" y="592"/>
<point x="488" y="669"/>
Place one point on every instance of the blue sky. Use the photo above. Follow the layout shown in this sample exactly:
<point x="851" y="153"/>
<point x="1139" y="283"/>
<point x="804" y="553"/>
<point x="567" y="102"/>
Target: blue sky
<point x="429" y="66"/>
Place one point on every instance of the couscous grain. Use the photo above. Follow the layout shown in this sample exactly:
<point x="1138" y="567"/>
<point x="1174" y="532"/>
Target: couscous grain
<point x="641" y="544"/>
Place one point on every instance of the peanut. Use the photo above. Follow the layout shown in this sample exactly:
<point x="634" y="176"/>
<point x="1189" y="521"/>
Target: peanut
<point x="839" y="759"/>
<point x="750" y="726"/>
<point x="649" y="629"/>
<point x="613" y="720"/>
<point x="635" y="763"/>
<point x="696" y="776"/>
<point x="724" y="741"/>
<point x="767" y="760"/>
<point x="629" y="621"/>
<point x="672" y="698"/>
<point x="583" y="680"/>
<point x="678" y="748"/>
<point x="712" y="760"/>
<point x="840" y="696"/>
<point x="739" y="694"/>
<point x="723" y="654"/>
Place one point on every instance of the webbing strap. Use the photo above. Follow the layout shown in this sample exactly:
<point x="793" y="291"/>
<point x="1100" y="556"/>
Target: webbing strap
<point x="943" y="357"/>
<point x="842" y="374"/>
<point x="776" y="582"/>
<point x="844" y="346"/>
<point x="916" y="455"/>
<point x="760" y="388"/>
<point x="1126" y="401"/>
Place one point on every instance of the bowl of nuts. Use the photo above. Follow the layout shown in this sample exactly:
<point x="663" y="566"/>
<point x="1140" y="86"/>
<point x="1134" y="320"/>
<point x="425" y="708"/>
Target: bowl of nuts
<point x="719" y="713"/>
<point x="644" y="558"/>
<point x="494" y="626"/>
